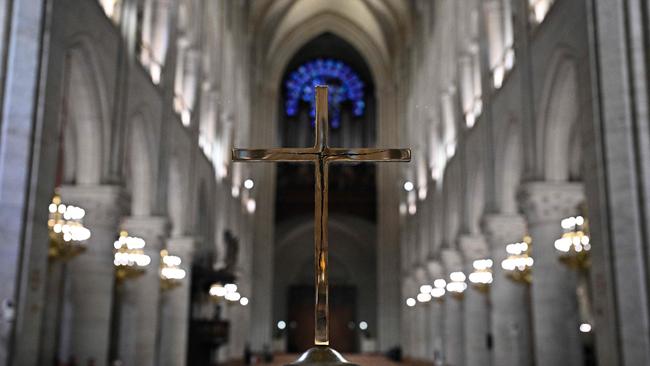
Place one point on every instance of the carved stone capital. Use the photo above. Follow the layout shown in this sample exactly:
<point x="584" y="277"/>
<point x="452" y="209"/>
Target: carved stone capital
<point x="473" y="247"/>
<point x="153" y="229"/>
<point x="409" y="286"/>
<point x="503" y="229"/>
<point x="452" y="260"/>
<point x="182" y="247"/>
<point x="550" y="201"/>
<point x="435" y="270"/>
<point x="493" y="7"/>
<point x="104" y="204"/>
<point x="420" y="275"/>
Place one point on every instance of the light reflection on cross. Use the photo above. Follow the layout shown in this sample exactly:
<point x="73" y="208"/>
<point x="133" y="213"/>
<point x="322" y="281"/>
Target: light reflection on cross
<point x="321" y="155"/>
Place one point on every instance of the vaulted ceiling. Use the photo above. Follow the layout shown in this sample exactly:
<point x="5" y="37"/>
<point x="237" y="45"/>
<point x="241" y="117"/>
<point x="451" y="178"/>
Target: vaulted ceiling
<point x="386" y="23"/>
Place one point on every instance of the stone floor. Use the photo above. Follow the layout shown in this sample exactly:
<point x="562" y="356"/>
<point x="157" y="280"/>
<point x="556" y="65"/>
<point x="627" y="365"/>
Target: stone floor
<point x="363" y="360"/>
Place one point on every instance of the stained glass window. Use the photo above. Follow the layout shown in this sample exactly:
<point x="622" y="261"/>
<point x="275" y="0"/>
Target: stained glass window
<point x="344" y="86"/>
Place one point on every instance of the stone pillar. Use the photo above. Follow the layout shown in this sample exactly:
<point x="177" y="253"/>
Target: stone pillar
<point x="420" y="325"/>
<point x="140" y="296"/>
<point x="555" y="309"/>
<point x="453" y="327"/>
<point x="511" y="332"/>
<point x="25" y="159"/>
<point x="388" y="251"/>
<point x="616" y="164"/>
<point x="91" y="276"/>
<point x="436" y="316"/>
<point x="477" y="312"/>
<point x="55" y="281"/>
<point x="174" y="320"/>
<point x="408" y="321"/>
<point x="495" y="27"/>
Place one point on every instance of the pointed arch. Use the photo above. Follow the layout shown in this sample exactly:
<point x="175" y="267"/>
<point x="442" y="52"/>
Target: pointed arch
<point x="475" y="193"/>
<point x="558" y="115"/>
<point x="508" y="167"/>
<point x="87" y="116"/>
<point x="140" y="165"/>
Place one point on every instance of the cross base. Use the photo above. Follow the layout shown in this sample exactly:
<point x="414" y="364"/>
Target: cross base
<point x="321" y="356"/>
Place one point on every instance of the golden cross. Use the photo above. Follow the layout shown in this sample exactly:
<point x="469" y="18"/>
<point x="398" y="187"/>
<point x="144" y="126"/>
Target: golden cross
<point x="321" y="155"/>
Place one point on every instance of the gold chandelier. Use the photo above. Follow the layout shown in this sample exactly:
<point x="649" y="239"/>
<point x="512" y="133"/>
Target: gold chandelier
<point x="171" y="274"/>
<point x="519" y="262"/>
<point x="66" y="230"/>
<point x="129" y="258"/>
<point x="228" y="292"/>
<point x="574" y="245"/>
<point x="457" y="285"/>
<point x="482" y="277"/>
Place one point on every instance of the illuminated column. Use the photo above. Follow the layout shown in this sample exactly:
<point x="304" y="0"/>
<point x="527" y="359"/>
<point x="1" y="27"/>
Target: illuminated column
<point x="160" y="29"/>
<point x="453" y="327"/>
<point x="494" y="21"/>
<point x="477" y="315"/>
<point x="511" y="331"/>
<point x="141" y="295"/>
<point x="174" y="320"/>
<point x="555" y="307"/>
<point x="91" y="276"/>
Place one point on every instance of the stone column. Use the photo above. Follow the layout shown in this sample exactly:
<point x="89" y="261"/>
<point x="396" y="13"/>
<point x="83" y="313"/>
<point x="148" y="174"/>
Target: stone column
<point x="453" y="327"/>
<point x="477" y="312"/>
<point x="91" y="276"/>
<point x="494" y="24"/>
<point x="55" y="281"/>
<point x="555" y="308"/>
<point x="141" y="296"/>
<point x="511" y="332"/>
<point x="408" y="321"/>
<point x="174" y="320"/>
<point x="436" y="316"/>
<point x="420" y="325"/>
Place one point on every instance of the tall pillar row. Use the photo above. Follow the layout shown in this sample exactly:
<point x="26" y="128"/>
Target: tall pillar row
<point x="555" y="308"/>
<point x="91" y="277"/>
<point x="510" y="316"/>
<point x="141" y="296"/>
<point x="86" y="315"/>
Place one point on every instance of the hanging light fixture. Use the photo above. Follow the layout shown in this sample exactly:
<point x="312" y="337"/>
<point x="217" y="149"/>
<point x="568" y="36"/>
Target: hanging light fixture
<point x="171" y="274"/>
<point x="411" y="302"/>
<point x="438" y="290"/>
<point x="457" y="286"/>
<point x="482" y="277"/>
<point x="67" y="233"/>
<point x="574" y="245"/>
<point x="129" y="258"/>
<point x="519" y="262"/>
<point x="424" y="297"/>
<point x="228" y="293"/>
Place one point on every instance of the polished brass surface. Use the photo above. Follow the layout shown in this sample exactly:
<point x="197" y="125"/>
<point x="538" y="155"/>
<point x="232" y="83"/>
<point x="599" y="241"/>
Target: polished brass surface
<point x="322" y="356"/>
<point x="321" y="155"/>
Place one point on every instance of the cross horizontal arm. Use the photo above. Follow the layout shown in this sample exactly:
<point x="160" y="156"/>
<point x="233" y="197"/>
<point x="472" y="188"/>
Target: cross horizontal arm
<point x="367" y="154"/>
<point x="278" y="154"/>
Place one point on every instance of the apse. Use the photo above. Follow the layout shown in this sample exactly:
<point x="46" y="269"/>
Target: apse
<point x="329" y="60"/>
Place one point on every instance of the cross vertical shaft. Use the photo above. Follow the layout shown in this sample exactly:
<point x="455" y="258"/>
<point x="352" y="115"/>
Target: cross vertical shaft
<point x="321" y="326"/>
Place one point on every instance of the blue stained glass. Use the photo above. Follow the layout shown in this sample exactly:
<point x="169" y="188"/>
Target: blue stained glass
<point x="344" y="85"/>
